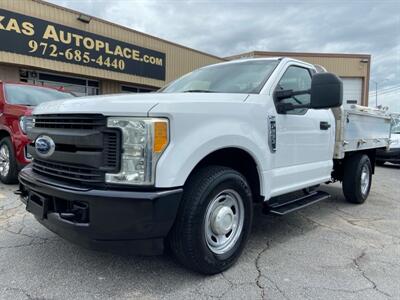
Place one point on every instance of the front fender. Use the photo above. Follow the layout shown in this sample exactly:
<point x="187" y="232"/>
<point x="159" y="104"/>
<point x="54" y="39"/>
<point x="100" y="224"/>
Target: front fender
<point x="189" y="146"/>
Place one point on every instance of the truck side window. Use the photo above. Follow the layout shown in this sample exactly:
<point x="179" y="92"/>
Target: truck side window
<point x="296" y="79"/>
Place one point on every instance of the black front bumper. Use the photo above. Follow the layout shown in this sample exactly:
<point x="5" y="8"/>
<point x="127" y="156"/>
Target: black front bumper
<point x="392" y="155"/>
<point x="120" y="221"/>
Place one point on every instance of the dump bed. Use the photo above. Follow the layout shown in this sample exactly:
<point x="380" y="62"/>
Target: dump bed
<point x="360" y="128"/>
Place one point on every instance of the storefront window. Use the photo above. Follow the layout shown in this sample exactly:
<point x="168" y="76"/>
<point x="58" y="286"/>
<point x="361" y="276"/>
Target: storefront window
<point x="135" y="89"/>
<point x="75" y="85"/>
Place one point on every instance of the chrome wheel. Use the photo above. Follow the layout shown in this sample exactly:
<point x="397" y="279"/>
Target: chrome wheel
<point x="4" y="161"/>
<point x="365" y="179"/>
<point x="224" y="221"/>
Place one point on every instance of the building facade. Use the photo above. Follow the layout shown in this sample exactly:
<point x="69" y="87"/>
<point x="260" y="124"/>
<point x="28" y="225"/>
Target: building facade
<point x="354" y="70"/>
<point x="42" y="43"/>
<point x="45" y="44"/>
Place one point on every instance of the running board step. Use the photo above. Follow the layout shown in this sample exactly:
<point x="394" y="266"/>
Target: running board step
<point x="298" y="203"/>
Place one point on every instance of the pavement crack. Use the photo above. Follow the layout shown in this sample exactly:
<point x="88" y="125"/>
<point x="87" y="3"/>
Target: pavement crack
<point x="32" y="242"/>
<point x="23" y="291"/>
<point x="277" y="287"/>
<point x="19" y="232"/>
<point x="261" y="275"/>
<point x="356" y="262"/>
<point x="355" y="222"/>
<point x="337" y="230"/>
<point x="257" y="265"/>
<point x="231" y="285"/>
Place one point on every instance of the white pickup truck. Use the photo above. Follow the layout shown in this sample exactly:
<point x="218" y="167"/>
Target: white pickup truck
<point x="182" y="168"/>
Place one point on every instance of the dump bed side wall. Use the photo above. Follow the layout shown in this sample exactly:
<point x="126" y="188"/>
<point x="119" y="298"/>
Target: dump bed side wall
<point x="360" y="128"/>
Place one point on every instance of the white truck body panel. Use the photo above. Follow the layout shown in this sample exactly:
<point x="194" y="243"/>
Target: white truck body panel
<point x="202" y="130"/>
<point x="303" y="154"/>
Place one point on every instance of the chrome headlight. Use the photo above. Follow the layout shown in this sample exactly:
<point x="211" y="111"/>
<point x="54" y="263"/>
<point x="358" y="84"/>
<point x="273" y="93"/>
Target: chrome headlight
<point x="26" y="123"/>
<point x="143" y="142"/>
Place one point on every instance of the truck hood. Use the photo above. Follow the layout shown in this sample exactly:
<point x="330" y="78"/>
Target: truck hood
<point x="131" y="104"/>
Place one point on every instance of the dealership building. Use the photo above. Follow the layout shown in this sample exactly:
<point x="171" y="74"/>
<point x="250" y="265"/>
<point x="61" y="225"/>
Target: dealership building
<point x="45" y="44"/>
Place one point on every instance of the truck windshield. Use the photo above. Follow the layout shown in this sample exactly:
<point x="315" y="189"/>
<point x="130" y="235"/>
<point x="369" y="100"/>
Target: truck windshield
<point x="32" y="95"/>
<point x="247" y="77"/>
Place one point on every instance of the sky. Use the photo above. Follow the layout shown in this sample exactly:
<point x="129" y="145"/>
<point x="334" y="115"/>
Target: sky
<point x="224" y="28"/>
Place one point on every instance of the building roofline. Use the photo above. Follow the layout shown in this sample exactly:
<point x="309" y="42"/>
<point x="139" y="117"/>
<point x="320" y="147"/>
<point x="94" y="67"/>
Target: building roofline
<point x="125" y="28"/>
<point x="304" y="54"/>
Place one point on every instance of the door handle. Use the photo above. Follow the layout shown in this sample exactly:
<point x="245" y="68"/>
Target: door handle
<point x="324" y="125"/>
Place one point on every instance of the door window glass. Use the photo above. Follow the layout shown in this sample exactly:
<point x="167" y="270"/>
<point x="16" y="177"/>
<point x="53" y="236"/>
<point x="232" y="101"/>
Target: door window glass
<point x="296" y="79"/>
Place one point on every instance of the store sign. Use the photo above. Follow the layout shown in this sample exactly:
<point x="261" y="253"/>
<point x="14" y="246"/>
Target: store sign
<point x="35" y="37"/>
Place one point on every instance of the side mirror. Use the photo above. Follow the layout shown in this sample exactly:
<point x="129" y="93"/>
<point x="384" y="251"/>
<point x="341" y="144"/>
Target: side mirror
<point x="326" y="91"/>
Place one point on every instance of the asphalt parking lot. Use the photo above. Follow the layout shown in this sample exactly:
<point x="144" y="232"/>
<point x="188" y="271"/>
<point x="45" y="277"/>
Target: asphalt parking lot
<point x="333" y="250"/>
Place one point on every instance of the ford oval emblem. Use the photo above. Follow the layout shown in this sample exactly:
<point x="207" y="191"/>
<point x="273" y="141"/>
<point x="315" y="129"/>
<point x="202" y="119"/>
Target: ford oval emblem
<point x="44" y="146"/>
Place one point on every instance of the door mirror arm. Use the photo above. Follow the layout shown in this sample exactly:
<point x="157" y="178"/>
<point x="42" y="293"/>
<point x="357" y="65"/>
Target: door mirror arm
<point x="285" y="94"/>
<point x="282" y="108"/>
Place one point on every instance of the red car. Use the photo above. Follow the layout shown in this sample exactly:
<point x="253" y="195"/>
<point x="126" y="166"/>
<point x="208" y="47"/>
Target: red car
<point x="17" y="101"/>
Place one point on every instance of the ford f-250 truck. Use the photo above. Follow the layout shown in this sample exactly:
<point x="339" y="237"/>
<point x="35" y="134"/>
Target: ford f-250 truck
<point x="183" y="167"/>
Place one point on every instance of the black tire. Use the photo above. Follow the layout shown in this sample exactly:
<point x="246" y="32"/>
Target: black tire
<point x="12" y="175"/>
<point x="380" y="163"/>
<point x="352" y="177"/>
<point x="187" y="239"/>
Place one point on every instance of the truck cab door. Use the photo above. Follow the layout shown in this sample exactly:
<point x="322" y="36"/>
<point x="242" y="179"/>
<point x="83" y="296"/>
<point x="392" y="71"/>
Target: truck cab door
<point x="304" y="137"/>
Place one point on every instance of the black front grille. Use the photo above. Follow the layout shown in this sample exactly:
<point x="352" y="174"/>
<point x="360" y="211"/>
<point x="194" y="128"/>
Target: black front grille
<point x="68" y="172"/>
<point x="70" y="121"/>
<point x="85" y="148"/>
<point x="111" y="149"/>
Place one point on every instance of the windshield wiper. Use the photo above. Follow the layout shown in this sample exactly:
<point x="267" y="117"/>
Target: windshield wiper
<point x="199" y="91"/>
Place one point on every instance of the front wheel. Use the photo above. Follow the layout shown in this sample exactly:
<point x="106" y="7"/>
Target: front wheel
<point x="357" y="178"/>
<point x="213" y="221"/>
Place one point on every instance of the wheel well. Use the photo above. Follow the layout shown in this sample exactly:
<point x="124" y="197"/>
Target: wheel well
<point x="338" y="168"/>
<point x="3" y="134"/>
<point x="238" y="160"/>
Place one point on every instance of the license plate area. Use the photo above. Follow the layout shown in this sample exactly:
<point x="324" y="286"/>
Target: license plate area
<point x="37" y="205"/>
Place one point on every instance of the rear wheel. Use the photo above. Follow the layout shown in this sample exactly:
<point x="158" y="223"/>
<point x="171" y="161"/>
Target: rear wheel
<point x="8" y="164"/>
<point x="213" y="221"/>
<point x="357" y="178"/>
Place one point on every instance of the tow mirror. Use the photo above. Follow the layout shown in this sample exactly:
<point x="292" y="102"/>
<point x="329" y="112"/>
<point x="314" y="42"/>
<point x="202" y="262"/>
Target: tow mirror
<point x="326" y="91"/>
